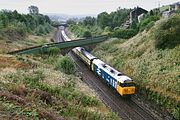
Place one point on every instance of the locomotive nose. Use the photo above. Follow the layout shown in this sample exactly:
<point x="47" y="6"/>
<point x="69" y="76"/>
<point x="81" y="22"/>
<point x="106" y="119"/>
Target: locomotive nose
<point x="129" y="90"/>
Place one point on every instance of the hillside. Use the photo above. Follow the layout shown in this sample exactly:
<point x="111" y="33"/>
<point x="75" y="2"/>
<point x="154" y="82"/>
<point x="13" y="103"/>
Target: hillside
<point x="7" y="45"/>
<point x="156" y="71"/>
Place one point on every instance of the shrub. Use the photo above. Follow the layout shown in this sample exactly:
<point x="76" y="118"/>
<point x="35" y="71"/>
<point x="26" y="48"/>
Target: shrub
<point x="47" y="28"/>
<point x="148" y="19"/>
<point x="123" y="33"/>
<point x="167" y="35"/>
<point x="66" y="65"/>
<point x="53" y="51"/>
<point x="107" y="29"/>
<point x="87" y="34"/>
<point x="89" y="101"/>
<point x="21" y="28"/>
<point x="40" y="30"/>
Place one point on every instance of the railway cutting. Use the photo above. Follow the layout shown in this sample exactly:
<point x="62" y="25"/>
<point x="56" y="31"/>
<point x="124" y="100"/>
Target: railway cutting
<point x="126" y="108"/>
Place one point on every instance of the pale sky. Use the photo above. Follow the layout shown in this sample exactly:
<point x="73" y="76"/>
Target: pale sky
<point x="78" y="7"/>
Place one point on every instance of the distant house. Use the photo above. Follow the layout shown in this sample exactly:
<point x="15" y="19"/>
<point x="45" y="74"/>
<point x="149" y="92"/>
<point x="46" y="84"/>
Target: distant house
<point x="136" y="14"/>
<point x="167" y="13"/>
<point x="172" y="8"/>
<point x="138" y="11"/>
<point x="140" y="17"/>
<point x="175" y="6"/>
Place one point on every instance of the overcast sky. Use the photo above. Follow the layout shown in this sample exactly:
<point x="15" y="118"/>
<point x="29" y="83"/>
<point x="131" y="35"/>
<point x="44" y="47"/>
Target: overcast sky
<point x="76" y="7"/>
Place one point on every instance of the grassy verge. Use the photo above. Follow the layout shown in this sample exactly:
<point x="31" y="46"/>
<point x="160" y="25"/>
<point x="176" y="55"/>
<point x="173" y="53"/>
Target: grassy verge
<point x="29" y="41"/>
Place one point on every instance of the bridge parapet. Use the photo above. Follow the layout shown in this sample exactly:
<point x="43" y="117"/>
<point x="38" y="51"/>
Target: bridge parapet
<point x="64" y="46"/>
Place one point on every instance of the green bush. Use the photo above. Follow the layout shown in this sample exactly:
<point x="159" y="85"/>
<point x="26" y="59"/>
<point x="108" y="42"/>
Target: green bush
<point x="87" y="34"/>
<point x="123" y="33"/>
<point x="66" y="65"/>
<point x="168" y="33"/>
<point x="47" y="28"/>
<point x="40" y="30"/>
<point x="21" y="28"/>
<point x="88" y="101"/>
<point x="147" y="19"/>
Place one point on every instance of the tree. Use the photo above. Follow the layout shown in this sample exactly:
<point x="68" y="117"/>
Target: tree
<point x="104" y="20"/>
<point x="31" y="22"/>
<point x="119" y="17"/>
<point x="71" y="21"/>
<point x="47" y="19"/>
<point x="89" y="21"/>
<point x="151" y="13"/>
<point x="4" y="19"/>
<point x="114" y="19"/>
<point x="33" y="10"/>
<point x="87" y="34"/>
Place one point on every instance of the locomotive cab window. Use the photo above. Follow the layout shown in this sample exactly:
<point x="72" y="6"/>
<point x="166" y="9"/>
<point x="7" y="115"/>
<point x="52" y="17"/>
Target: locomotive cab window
<point x="127" y="84"/>
<point x="119" y="74"/>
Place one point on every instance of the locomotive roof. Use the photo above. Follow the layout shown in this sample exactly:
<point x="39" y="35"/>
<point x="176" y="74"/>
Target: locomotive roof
<point x="85" y="53"/>
<point x="111" y="71"/>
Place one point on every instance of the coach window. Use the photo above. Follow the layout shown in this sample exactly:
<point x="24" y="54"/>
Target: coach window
<point x="112" y="71"/>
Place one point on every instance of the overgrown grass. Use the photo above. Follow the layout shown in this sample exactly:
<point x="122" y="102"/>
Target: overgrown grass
<point x="40" y="92"/>
<point x="64" y="101"/>
<point x="167" y="35"/>
<point x="53" y="51"/>
<point x="155" y="71"/>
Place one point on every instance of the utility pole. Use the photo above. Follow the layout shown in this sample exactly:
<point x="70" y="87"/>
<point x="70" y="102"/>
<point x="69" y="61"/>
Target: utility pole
<point x="159" y="4"/>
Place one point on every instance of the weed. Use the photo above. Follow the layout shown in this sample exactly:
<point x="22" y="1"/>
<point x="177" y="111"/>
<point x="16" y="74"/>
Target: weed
<point x="88" y="101"/>
<point x="66" y="65"/>
<point x="53" y="51"/>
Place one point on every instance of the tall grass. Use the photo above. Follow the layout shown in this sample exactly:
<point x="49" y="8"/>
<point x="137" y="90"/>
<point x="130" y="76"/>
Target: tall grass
<point x="66" y="101"/>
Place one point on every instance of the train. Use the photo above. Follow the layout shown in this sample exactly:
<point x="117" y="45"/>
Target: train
<point x="123" y="84"/>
